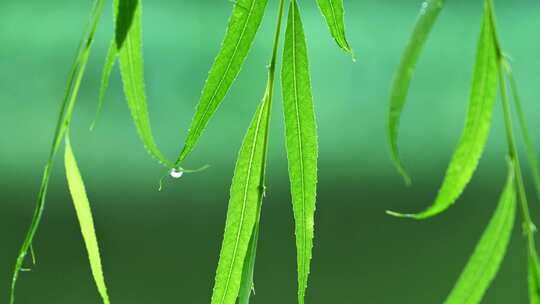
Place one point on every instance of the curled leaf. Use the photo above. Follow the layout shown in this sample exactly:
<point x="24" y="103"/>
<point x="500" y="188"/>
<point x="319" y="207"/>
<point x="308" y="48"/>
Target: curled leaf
<point x="477" y="125"/>
<point x="426" y="19"/>
<point x="128" y="37"/>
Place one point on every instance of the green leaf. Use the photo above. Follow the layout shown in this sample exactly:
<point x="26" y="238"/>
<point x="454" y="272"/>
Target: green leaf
<point x="484" y="263"/>
<point x="301" y="138"/>
<point x="334" y="14"/>
<point x="426" y="19"/>
<point x="84" y="215"/>
<point x="243" y="26"/>
<point x="70" y="97"/>
<point x="477" y="125"/>
<point x="529" y="146"/>
<point x="247" y="285"/>
<point x="105" y="78"/>
<point x="128" y="15"/>
<point x="533" y="276"/>
<point x="246" y="195"/>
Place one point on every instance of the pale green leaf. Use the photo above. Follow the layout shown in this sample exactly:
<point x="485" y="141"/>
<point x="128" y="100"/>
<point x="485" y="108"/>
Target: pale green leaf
<point x="477" y="125"/>
<point x="244" y="205"/>
<point x="301" y="139"/>
<point x="486" y="259"/>
<point x="70" y="97"/>
<point x="243" y="26"/>
<point x="128" y="37"/>
<point x="426" y="19"/>
<point x="84" y="215"/>
<point x="334" y="14"/>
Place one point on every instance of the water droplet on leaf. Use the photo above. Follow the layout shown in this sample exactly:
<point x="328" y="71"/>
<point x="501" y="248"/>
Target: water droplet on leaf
<point x="175" y="173"/>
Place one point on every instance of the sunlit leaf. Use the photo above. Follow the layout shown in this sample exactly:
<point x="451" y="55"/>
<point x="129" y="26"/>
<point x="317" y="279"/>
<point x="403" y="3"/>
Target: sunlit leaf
<point x="334" y="14"/>
<point x="244" y="205"/>
<point x="128" y="37"/>
<point x="484" y="263"/>
<point x="426" y="19"/>
<point x="84" y="215"/>
<point x="243" y="26"/>
<point x="477" y="125"/>
<point x="70" y="97"/>
<point x="301" y="139"/>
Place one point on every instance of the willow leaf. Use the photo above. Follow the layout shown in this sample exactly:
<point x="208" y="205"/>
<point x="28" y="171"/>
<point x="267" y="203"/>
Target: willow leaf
<point x="334" y="14"/>
<point x="484" y="263"/>
<point x="529" y="146"/>
<point x="105" y="79"/>
<point x="533" y="276"/>
<point x="244" y="205"/>
<point x="128" y="37"/>
<point x="243" y="26"/>
<point x="70" y="97"/>
<point x="477" y="125"/>
<point x="247" y="285"/>
<point x="301" y="138"/>
<point x="426" y="19"/>
<point x="84" y="215"/>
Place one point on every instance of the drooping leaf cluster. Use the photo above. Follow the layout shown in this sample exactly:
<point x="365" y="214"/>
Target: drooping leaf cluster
<point x="491" y="70"/>
<point x="235" y="272"/>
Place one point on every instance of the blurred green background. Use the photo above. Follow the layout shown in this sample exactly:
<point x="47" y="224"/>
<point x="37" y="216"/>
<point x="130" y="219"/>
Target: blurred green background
<point x="162" y="247"/>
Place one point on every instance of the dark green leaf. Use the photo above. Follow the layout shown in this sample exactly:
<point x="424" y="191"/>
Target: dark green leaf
<point x="426" y="19"/>
<point x="107" y="69"/>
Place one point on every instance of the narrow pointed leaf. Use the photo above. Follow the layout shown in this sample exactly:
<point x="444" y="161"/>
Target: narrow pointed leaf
<point x="334" y="14"/>
<point x="243" y="26"/>
<point x="105" y="79"/>
<point x="244" y="206"/>
<point x="84" y="215"/>
<point x="529" y="146"/>
<point x="477" y="125"/>
<point x="533" y="275"/>
<point x="128" y="37"/>
<point x="484" y="263"/>
<point x="301" y="139"/>
<point x="426" y="19"/>
<point x="247" y="285"/>
<point x="68" y="103"/>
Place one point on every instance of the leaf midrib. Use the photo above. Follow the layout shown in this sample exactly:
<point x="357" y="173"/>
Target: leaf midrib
<point x="300" y="148"/>
<point x="227" y="69"/>
<point x="244" y="203"/>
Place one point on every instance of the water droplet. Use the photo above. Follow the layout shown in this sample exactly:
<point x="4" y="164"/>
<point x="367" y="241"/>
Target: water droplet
<point x="175" y="173"/>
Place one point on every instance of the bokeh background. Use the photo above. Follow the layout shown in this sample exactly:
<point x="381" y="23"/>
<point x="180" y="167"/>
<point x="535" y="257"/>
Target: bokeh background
<point x="162" y="247"/>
